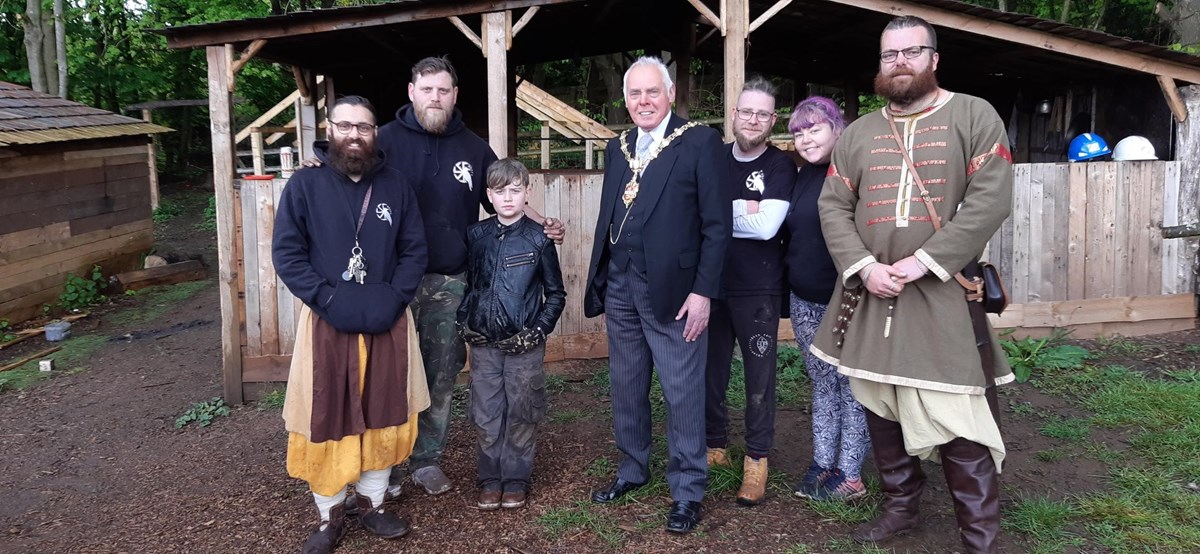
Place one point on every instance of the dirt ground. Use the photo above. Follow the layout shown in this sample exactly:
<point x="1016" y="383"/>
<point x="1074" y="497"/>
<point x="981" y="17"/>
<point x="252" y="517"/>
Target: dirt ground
<point x="92" y="462"/>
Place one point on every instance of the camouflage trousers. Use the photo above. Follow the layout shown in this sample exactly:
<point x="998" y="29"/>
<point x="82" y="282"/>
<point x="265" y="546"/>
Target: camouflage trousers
<point x="435" y="309"/>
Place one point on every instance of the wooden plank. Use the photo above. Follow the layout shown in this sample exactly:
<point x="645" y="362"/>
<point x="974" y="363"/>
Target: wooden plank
<point x="220" y="115"/>
<point x="114" y="171"/>
<point x="1038" y="239"/>
<point x="736" y="24"/>
<point x="14" y="168"/>
<point x="1172" y="248"/>
<point x="40" y="202"/>
<point x="139" y="212"/>
<point x="1125" y="329"/>
<point x="249" y="275"/>
<point x="268" y="318"/>
<point x="1021" y="230"/>
<point x="261" y="369"/>
<point x="573" y="212"/>
<point x="593" y="184"/>
<point x="1096" y="216"/>
<point x="284" y="300"/>
<point x="24" y="306"/>
<point x="1059" y="265"/>
<point x="1098" y="310"/>
<point x="80" y="209"/>
<point x="14" y="255"/>
<point x="170" y="274"/>
<point x="1154" y="217"/>
<point x="1122" y="220"/>
<point x="496" y="29"/>
<point x="35" y="236"/>
<point x="122" y="152"/>
<point x="239" y="267"/>
<point x="1177" y="105"/>
<point x="69" y="259"/>
<point x="1138" y="183"/>
<point x="996" y="30"/>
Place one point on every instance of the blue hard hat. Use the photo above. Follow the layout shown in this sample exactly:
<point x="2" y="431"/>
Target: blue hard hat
<point x="1086" y="147"/>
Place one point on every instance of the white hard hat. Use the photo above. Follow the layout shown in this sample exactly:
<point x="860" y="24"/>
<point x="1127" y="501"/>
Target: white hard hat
<point x="1133" y="148"/>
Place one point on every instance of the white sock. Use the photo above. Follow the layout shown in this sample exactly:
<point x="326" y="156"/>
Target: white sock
<point x="373" y="484"/>
<point x="326" y="503"/>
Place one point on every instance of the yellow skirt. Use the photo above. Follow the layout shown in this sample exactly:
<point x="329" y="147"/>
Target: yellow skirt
<point x="331" y="465"/>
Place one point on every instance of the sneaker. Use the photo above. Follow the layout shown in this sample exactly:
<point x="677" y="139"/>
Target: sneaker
<point x="838" y="488"/>
<point x="431" y="479"/>
<point x="717" y="457"/>
<point x="812" y="481"/>
<point x="754" y="482"/>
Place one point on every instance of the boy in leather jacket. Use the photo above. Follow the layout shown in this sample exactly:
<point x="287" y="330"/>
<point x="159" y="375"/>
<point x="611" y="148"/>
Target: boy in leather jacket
<point x="514" y="298"/>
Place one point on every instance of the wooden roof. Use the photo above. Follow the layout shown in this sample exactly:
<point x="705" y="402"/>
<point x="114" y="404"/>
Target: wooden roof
<point x="31" y="117"/>
<point x="819" y="41"/>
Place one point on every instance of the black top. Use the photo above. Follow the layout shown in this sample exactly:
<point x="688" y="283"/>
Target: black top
<point x="448" y="174"/>
<point x="752" y="266"/>
<point x="811" y="273"/>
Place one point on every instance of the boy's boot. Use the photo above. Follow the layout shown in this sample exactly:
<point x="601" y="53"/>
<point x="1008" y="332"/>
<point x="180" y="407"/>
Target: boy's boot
<point x="754" y="481"/>
<point x="379" y="522"/>
<point x="326" y="536"/>
<point x="717" y="457"/>
<point x="900" y="479"/>
<point x="973" y="483"/>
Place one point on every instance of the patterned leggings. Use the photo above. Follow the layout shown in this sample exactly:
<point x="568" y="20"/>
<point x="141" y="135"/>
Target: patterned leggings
<point x="839" y="426"/>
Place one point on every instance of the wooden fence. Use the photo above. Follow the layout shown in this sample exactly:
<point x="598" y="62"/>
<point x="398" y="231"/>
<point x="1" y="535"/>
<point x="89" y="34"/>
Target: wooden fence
<point x="1082" y="249"/>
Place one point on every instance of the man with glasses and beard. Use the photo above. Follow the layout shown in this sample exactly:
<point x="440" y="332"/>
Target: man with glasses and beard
<point x="759" y="179"/>
<point x="913" y="193"/>
<point x="446" y="164"/>
<point x="349" y="243"/>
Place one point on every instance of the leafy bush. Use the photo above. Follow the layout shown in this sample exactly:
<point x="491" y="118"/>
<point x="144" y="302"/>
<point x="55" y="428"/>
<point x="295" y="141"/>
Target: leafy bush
<point x="210" y="216"/>
<point x="167" y="210"/>
<point x="203" y="413"/>
<point x="1046" y="353"/>
<point x="80" y="293"/>
<point x="6" y="331"/>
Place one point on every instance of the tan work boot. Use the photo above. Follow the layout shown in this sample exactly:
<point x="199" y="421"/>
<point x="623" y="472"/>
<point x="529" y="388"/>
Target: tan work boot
<point x="754" y="482"/>
<point x="717" y="457"/>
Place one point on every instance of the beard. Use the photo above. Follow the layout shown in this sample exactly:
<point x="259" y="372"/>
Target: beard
<point x="748" y="143"/>
<point x="352" y="162"/>
<point x="434" y="122"/>
<point x="900" y="94"/>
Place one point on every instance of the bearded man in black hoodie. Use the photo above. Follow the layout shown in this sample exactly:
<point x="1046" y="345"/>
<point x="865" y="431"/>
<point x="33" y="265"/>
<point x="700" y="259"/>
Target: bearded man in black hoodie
<point x="445" y="163"/>
<point x="352" y="402"/>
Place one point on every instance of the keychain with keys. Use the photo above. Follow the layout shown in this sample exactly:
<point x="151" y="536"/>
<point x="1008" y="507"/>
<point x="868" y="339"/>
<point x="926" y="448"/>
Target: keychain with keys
<point x="356" y="269"/>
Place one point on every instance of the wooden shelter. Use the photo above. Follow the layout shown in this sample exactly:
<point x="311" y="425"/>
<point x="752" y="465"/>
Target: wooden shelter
<point x="74" y="192"/>
<point x="1014" y="61"/>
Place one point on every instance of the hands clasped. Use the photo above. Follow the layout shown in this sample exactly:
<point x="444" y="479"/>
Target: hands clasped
<point x="887" y="281"/>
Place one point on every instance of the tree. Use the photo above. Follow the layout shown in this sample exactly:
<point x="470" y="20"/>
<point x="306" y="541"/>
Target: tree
<point x="60" y="47"/>
<point x="34" y="37"/>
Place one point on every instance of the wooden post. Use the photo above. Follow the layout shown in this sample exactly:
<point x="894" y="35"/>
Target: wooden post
<point x="851" y="92"/>
<point x="256" y="151"/>
<point x="545" y="145"/>
<point x="152" y="155"/>
<point x="1187" y="152"/>
<point x="735" y="18"/>
<point x="683" y="66"/>
<point x="495" y="40"/>
<point x="306" y="127"/>
<point x="590" y="154"/>
<point x="220" y="109"/>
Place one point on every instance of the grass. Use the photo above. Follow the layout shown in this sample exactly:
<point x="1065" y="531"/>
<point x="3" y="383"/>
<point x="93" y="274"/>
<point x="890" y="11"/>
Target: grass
<point x="1043" y="520"/>
<point x="1050" y="455"/>
<point x="556" y="522"/>
<point x="1116" y="344"/>
<point x="272" y="400"/>
<point x="566" y="416"/>
<point x="153" y="302"/>
<point x="73" y="356"/>
<point x="599" y="467"/>
<point x="1071" y="429"/>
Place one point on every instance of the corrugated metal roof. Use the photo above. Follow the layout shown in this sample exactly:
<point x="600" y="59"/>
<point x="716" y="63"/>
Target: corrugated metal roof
<point x="31" y="117"/>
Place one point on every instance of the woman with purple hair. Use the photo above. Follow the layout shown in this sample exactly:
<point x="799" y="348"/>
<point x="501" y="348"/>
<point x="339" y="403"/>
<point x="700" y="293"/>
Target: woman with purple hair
<point x="840" y="438"/>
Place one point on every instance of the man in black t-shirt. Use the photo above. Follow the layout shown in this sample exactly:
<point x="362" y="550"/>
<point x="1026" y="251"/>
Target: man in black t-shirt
<point x="759" y="179"/>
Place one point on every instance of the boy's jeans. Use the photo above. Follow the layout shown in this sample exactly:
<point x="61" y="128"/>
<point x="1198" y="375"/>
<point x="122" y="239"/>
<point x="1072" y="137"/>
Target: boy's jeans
<point x="508" y="399"/>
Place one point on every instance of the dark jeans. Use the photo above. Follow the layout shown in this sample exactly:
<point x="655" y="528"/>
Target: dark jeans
<point x="508" y="399"/>
<point x="754" y="322"/>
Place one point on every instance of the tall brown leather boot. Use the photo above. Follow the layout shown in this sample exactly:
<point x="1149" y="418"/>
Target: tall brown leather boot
<point x="901" y="480"/>
<point x="975" y="487"/>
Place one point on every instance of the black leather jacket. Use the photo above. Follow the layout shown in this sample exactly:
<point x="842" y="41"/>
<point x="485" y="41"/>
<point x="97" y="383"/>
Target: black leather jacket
<point x="513" y="279"/>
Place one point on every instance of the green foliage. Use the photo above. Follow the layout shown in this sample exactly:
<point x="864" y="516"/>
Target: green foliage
<point x="599" y="467"/>
<point x="80" y="293"/>
<point x="272" y="400"/>
<point x="1028" y="354"/>
<point x="209" y="223"/>
<point x="76" y="351"/>
<point x="203" y="413"/>
<point x="1074" y="430"/>
<point x="1045" y="521"/>
<point x="155" y="301"/>
<point x="5" y="331"/>
<point x="167" y="210"/>
<point x="868" y="103"/>
<point x="556" y="522"/>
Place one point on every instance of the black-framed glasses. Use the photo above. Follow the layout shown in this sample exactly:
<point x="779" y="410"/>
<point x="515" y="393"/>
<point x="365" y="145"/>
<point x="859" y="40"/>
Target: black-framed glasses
<point x="910" y="53"/>
<point x="745" y="115"/>
<point x="344" y="127"/>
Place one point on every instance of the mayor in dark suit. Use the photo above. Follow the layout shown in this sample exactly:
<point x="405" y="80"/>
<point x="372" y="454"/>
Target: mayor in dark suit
<point x="660" y="246"/>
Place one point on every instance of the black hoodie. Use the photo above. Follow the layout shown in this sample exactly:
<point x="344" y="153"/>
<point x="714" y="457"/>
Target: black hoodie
<point x="314" y="234"/>
<point x="448" y="174"/>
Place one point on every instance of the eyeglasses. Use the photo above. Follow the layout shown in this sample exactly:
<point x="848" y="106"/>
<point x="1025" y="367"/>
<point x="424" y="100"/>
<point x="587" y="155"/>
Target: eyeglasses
<point x="912" y="52"/>
<point x="746" y="114"/>
<point x="344" y="127"/>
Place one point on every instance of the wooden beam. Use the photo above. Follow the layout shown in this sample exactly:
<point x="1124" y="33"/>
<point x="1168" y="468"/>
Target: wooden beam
<point x="1178" y="108"/>
<point x="736" y="20"/>
<point x="466" y="31"/>
<point x="338" y="20"/>
<point x="152" y="160"/>
<point x="767" y="15"/>
<point x="229" y="80"/>
<point x="301" y="83"/>
<point x="525" y="19"/>
<point x="271" y="113"/>
<point x="220" y="113"/>
<point x="170" y="274"/>
<point x="1030" y="37"/>
<point x="495" y="36"/>
<point x="247" y="55"/>
<point x="708" y="15"/>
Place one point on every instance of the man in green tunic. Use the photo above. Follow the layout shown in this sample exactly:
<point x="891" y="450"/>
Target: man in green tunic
<point x="909" y="348"/>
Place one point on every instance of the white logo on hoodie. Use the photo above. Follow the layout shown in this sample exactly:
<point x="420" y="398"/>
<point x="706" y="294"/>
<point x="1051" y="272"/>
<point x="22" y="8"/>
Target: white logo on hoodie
<point x="463" y="173"/>
<point x="384" y="213"/>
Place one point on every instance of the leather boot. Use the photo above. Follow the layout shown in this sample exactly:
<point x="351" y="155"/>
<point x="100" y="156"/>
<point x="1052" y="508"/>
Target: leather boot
<point x="900" y="479"/>
<point x="975" y="487"/>
<point x="328" y="534"/>
<point x="382" y="523"/>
